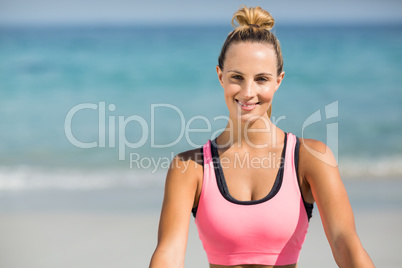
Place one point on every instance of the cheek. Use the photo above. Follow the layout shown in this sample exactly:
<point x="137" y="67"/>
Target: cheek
<point x="267" y="94"/>
<point x="231" y="90"/>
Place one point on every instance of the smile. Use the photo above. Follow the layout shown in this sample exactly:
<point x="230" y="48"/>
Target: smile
<point x="247" y="106"/>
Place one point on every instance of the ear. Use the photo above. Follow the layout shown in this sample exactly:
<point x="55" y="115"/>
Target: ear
<point x="220" y="74"/>
<point x="279" y="80"/>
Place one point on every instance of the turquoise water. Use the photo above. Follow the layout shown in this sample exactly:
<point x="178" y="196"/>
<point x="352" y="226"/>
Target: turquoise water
<point x="167" y="76"/>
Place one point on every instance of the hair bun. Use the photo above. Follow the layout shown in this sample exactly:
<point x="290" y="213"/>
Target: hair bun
<point x="253" y="17"/>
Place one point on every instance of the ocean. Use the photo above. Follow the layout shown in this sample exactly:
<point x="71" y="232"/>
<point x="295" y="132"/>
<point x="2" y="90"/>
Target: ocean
<point x="106" y="107"/>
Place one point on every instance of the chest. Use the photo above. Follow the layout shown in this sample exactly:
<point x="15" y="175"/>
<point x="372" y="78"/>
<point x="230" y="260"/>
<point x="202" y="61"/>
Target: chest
<point x="250" y="175"/>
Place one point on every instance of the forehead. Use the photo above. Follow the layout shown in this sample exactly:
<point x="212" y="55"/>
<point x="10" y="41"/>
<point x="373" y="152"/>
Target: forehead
<point x="251" y="55"/>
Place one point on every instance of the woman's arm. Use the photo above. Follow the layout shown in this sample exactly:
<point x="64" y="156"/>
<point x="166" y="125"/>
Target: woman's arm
<point x="321" y="172"/>
<point x="180" y="189"/>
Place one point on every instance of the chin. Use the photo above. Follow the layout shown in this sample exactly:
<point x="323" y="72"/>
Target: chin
<point x="251" y="118"/>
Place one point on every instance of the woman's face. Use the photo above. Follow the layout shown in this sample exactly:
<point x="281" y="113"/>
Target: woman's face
<point x="249" y="79"/>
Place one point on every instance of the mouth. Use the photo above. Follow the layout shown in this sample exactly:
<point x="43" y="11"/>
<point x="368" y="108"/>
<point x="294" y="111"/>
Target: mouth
<point x="247" y="104"/>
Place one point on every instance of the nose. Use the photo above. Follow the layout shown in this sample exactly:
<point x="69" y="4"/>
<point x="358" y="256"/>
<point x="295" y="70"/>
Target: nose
<point x="248" y="90"/>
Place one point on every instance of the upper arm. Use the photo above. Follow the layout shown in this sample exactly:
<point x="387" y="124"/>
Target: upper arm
<point x="322" y="174"/>
<point x="180" y="190"/>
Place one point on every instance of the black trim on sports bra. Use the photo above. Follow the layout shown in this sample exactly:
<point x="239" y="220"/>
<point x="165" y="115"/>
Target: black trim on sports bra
<point x="194" y="209"/>
<point x="220" y="178"/>
<point x="308" y="206"/>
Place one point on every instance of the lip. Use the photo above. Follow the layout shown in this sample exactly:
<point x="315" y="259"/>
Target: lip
<point x="247" y="106"/>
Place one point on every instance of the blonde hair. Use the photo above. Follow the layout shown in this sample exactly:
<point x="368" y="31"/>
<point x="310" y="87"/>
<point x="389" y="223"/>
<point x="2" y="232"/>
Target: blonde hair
<point x="253" y="25"/>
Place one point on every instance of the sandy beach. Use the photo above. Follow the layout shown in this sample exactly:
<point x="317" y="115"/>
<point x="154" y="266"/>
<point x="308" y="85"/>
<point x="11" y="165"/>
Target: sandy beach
<point x="84" y="237"/>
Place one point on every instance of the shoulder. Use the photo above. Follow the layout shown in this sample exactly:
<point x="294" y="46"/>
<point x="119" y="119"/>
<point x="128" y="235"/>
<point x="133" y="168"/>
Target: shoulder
<point x="317" y="152"/>
<point x="187" y="161"/>
<point x="316" y="159"/>
<point x="185" y="169"/>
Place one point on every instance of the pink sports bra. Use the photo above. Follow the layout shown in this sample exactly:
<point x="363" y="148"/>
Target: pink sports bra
<point x="269" y="231"/>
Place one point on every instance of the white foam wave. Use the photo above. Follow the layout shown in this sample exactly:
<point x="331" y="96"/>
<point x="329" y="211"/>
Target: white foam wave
<point x="381" y="167"/>
<point x="34" y="178"/>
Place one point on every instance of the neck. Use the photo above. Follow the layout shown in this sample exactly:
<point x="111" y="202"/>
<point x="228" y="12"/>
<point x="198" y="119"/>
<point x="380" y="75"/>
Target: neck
<point x="260" y="133"/>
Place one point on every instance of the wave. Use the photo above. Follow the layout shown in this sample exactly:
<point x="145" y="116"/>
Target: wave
<point x="41" y="178"/>
<point x="35" y="178"/>
<point x="383" y="166"/>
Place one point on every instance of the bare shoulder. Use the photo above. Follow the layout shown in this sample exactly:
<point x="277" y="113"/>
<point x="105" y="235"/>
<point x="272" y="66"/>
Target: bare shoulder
<point x="194" y="156"/>
<point x="315" y="154"/>
<point x="318" y="171"/>
<point x="188" y="162"/>
<point x="186" y="172"/>
<point x="316" y="162"/>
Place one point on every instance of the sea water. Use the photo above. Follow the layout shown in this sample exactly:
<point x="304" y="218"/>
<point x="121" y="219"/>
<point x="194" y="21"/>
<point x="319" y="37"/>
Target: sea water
<point x="104" y="107"/>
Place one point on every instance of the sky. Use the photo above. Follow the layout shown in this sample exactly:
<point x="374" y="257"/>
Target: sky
<point x="108" y="12"/>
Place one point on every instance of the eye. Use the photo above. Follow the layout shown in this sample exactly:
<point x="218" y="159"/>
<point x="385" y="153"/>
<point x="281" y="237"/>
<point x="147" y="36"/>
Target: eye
<point x="262" y="79"/>
<point x="237" y="77"/>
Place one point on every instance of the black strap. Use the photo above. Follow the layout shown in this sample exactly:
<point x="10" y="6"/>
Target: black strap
<point x="308" y="206"/>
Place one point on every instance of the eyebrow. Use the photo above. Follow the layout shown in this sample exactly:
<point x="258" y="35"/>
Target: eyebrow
<point x="234" y="71"/>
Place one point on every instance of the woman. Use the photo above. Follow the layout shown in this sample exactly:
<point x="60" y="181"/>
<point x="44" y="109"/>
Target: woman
<point x="252" y="189"/>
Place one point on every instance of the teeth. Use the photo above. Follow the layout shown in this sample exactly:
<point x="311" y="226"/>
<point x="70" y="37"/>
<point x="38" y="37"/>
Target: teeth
<point x="245" y="105"/>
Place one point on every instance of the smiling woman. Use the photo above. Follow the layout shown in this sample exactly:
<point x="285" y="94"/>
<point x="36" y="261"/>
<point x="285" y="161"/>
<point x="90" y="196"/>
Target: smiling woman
<point x="246" y="87"/>
<point x="258" y="216"/>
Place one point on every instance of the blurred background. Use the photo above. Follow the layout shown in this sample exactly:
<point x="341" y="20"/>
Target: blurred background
<point x="128" y="78"/>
